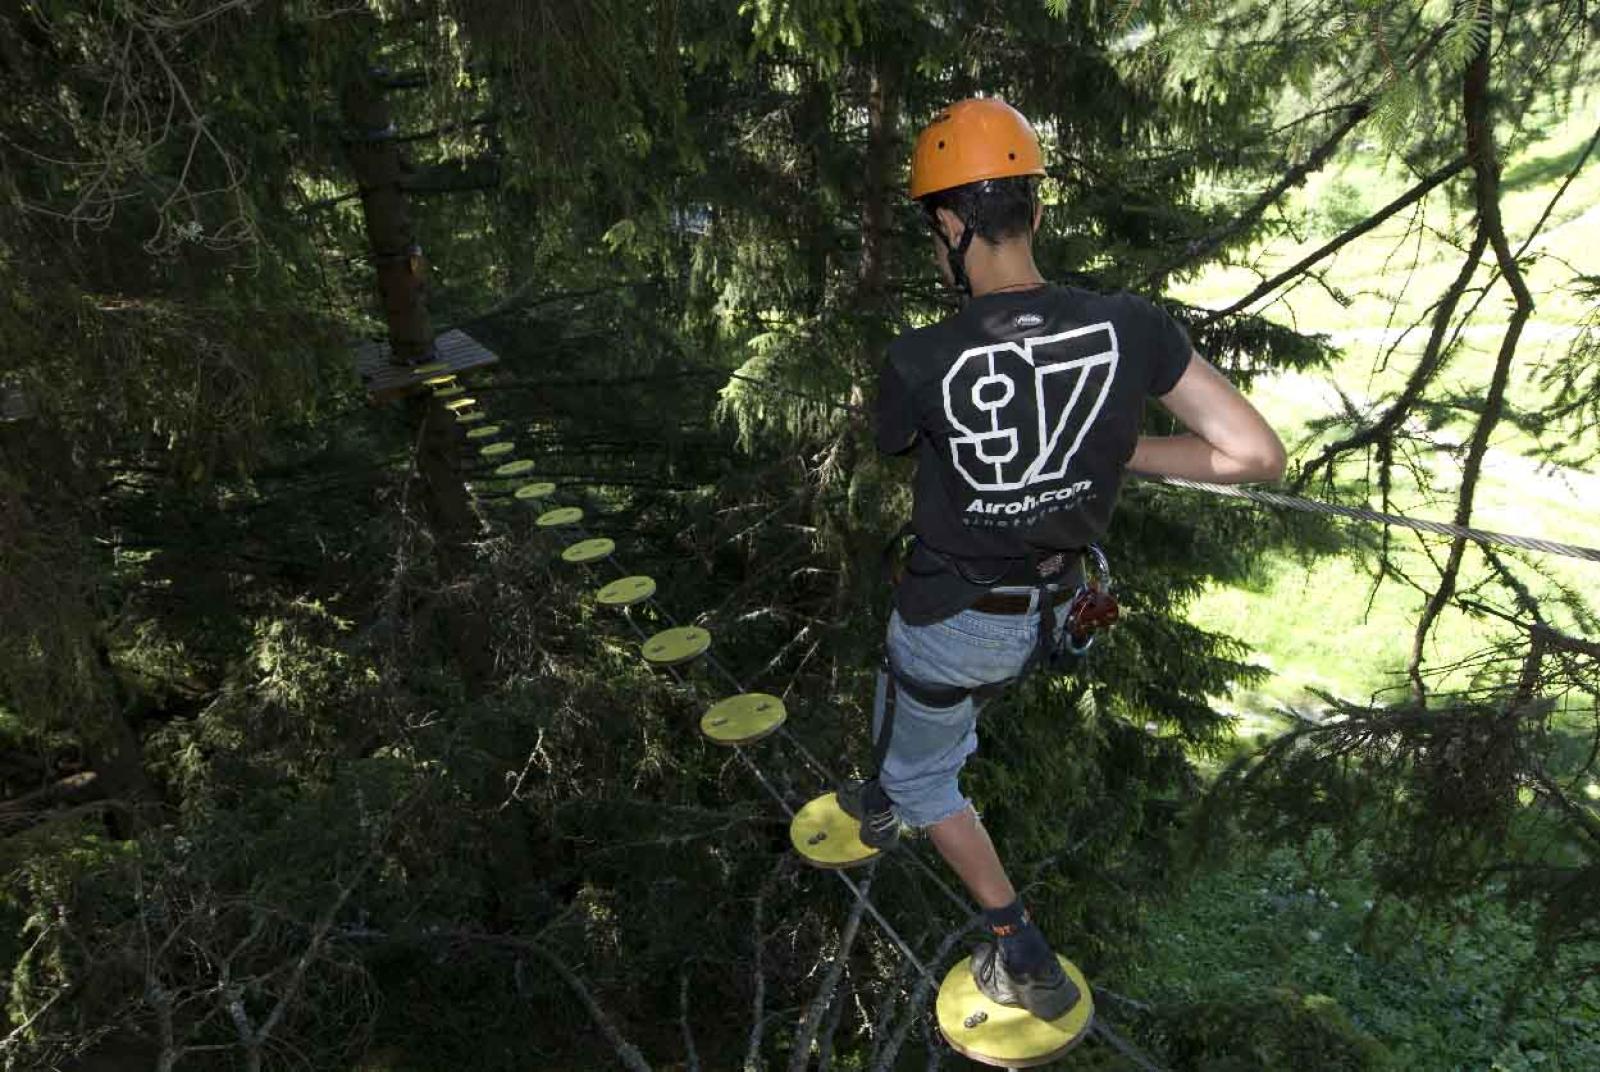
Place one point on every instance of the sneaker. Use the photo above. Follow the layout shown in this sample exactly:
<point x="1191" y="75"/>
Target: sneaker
<point x="1049" y="994"/>
<point x="866" y="803"/>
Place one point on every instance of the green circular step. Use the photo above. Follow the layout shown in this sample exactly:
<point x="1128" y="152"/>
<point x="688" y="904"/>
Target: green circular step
<point x="626" y="591"/>
<point x="589" y="550"/>
<point x="516" y="468"/>
<point x="561" y="515"/>
<point x="537" y="490"/>
<point x="672" y="646"/>
<point x="494" y="450"/>
<point x="483" y="433"/>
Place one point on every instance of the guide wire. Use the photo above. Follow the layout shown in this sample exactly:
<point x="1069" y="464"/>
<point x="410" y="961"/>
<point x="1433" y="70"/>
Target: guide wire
<point x="1484" y="537"/>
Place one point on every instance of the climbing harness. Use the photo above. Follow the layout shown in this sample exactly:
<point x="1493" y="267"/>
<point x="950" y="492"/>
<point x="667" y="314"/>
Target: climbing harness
<point x="1091" y="608"/>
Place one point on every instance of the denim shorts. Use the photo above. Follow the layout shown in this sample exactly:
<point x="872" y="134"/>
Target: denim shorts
<point x="929" y="745"/>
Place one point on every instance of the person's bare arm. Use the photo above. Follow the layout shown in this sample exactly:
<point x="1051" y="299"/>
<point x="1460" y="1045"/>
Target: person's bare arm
<point x="1228" y="442"/>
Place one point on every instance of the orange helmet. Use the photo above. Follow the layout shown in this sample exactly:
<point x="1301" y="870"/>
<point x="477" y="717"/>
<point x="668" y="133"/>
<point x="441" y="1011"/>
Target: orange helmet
<point x="981" y="138"/>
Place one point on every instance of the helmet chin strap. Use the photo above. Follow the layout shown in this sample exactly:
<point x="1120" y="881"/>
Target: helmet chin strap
<point x="958" y="255"/>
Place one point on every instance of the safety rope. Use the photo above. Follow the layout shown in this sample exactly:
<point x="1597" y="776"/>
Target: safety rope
<point x="1287" y="502"/>
<point x="1361" y="513"/>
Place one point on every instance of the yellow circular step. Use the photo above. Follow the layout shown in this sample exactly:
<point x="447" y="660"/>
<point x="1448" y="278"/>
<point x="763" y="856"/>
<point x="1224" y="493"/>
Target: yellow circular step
<point x="430" y="368"/>
<point x="589" y="550"/>
<point x="483" y="433"/>
<point x="516" y="468"/>
<point x="1003" y="1035"/>
<point x="494" y="450"/>
<point x="468" y="418"/>
<point x="561" y="515"/>
<point x="626" y="591"/>
<point x="672" y="646"/>
<point x="743" y="719"/>
<point x="825" y="836"/>
<point x="443" y="393"/>
<point x="537" y="490"/>
<point x="456" y="405"/>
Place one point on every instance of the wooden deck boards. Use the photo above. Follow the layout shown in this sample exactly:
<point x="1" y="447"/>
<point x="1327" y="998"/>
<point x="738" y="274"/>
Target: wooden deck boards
<point x="455" y="351"/>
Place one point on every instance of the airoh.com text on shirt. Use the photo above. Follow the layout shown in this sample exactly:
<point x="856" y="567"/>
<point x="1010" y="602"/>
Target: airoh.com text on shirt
<point x="1057" y="498"/>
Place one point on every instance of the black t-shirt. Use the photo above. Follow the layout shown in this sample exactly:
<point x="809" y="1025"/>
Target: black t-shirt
<point x="1024" y="408"/>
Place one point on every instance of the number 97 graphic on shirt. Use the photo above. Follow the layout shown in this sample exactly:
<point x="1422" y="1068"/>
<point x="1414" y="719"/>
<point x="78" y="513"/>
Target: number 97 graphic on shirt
<point x="1022" y="410"/>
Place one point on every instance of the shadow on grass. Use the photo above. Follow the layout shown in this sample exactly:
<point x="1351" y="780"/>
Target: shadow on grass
<point x="1541" y="169"/>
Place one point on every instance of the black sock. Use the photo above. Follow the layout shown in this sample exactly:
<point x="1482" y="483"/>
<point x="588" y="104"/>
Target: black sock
<point x="1022" y="945"/>
<point x="874" y="801"/>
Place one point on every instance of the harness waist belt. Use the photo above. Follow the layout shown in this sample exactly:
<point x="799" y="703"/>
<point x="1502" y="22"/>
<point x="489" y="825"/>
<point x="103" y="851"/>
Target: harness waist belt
<point x="1016" y="603"/>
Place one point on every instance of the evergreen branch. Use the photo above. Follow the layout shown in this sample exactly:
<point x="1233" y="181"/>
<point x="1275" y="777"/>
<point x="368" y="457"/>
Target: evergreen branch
<point x="827" y="992"/>
<point x="1410" y="197"/>
<point x="627" y="1053"/>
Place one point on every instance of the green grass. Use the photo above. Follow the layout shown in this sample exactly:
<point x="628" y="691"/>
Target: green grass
<point x="1321" y="626"/>
<point x="1430" y="995"/>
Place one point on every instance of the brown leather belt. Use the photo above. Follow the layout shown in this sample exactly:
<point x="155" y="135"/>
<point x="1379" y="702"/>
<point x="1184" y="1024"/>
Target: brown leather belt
<point x="1016" y="602"/>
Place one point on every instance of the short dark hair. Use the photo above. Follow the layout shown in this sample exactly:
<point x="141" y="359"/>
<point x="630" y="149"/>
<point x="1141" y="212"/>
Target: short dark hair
<point x="995" y="209"/>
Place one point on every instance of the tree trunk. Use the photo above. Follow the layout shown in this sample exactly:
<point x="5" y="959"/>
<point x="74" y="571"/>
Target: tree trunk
<point x="381" y="170"/>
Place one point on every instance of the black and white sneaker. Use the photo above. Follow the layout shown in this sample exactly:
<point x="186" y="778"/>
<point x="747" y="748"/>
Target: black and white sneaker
<point x="1047" y="994"/>
<point x="867" y="803"/>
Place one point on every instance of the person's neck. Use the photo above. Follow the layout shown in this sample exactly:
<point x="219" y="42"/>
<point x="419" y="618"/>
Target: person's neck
<point x="1001" y="272"/>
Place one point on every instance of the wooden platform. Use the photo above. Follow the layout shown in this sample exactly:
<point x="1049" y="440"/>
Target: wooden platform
<point x="454" y="352"/>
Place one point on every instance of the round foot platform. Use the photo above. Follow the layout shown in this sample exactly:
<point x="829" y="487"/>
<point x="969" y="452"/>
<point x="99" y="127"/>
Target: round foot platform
<point x="743" y="719"/>
<point x="470" y="416"/>
<point x="456" y="405"/>
<point x="561" y="515"/>
<point x="520" y="467"/>
<point x="1001" y="1035"/>
<point x="484" y="432"/>
<point x="589" y="550"/>
<point x="494" y="450"/>
<point x="626" y="591"/>
<point x="825" y="836"/>
<point x="673" y="646"/>
<point x="539" y="489"/>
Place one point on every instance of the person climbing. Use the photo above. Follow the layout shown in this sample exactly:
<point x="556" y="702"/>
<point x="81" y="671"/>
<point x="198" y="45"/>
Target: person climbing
<point x="1024" y="409"/>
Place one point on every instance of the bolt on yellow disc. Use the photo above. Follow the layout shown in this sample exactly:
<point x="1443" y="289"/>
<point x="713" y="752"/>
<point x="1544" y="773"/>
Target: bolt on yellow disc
<point x="672" y="646"/>
<point x="494" y="450"/>
<point x="742" y="719"/>
<point x="537" y="490"/>
<point x="458" y="404"/>
<point x="516" y="468"/>
<point x="626" y="591"/>
<point x="589" y="550"/>
<point x="561" y="515"/>
<point x="1004" y="1035"/>
<point x="468" y="418"/>
<point x="483" y="433"/>
<point x="825" y="836"/>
